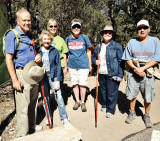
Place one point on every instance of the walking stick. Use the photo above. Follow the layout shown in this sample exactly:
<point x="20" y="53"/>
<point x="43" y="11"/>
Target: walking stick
<point x="97" y="94"/>
<point x="42" y="89"/>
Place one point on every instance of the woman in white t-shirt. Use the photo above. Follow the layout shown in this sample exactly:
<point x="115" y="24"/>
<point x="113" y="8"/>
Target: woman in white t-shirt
<point x="110" y="71"/>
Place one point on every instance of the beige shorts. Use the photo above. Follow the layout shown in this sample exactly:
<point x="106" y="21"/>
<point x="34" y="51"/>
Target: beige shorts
<point x="79" y="76"/>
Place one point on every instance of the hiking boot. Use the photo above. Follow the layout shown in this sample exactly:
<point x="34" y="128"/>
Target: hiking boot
<point x="147" y="121"/>
<point x="130" y="117"/>
<point x="83" y="107"/>
<point x="76" y="106"/>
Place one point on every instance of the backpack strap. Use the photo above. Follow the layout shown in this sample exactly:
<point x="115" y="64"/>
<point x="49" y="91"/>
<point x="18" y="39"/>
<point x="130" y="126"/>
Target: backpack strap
<point x="17" y="37"/>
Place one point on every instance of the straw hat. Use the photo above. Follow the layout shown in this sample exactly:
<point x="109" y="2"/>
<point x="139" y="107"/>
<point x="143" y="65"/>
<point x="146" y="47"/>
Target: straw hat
<point x="107" y="28"/>
<point x="33" y="72"/>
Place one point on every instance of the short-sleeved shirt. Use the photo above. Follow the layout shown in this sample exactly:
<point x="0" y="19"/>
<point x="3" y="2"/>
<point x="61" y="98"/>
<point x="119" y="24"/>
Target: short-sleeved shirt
<point x="78" y="58"/>
<point x="148" y="50"/>
<point x="25" y="53"/>
<point x="60" y="44"/>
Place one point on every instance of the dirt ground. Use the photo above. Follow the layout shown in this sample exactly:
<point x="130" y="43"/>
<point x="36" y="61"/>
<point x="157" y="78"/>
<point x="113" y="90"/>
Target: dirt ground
<point x="114" y="129"/>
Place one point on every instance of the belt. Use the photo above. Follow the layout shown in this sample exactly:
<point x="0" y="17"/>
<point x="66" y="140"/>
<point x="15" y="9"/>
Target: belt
<point x="19" y="68"/>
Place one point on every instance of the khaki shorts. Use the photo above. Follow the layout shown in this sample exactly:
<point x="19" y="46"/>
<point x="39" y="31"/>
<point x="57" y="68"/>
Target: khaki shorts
<point x="79" y="76"/>
<point x="136" y="84"/>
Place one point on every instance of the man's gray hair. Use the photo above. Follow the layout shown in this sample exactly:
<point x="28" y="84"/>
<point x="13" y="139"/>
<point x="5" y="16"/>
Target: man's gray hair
<point x="20" y="11"/>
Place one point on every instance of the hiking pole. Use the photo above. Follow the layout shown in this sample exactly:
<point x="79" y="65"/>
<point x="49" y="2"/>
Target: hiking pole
<point x="42" y="89"/>
<point x="97" y="94"/>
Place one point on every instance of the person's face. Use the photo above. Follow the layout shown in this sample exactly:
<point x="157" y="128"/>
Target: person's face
<point x="107" y="35"/>
<point x="24" y="22"/>
<point x="46" y="41"/>
<point x="53" y="28"/>
<point x="76" y="29"/>
<point x="143" y="31"/>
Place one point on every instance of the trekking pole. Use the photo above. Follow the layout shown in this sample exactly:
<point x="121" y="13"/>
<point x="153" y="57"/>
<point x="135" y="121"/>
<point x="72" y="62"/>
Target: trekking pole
<point x="97" y="94"/>
<point x="42" y="89"/>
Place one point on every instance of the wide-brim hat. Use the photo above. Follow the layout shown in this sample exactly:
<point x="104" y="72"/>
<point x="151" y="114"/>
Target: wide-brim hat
<point x="33" y="72"/>
<point x="107" y="28"/>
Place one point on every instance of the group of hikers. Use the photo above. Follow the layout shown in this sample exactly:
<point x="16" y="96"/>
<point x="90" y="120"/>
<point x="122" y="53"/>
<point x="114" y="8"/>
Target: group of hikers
<point x="55" y="57"/>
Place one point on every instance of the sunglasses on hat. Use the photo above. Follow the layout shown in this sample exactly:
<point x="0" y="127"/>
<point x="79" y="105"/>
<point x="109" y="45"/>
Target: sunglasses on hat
<point x="51" y="26"/>
<point x="76" y="26"/>
<point x="143" y="27"/>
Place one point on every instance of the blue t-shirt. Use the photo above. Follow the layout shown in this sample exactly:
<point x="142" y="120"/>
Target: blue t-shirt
<point x="78" y="58"/>
<point x="25" y="53"/>
<point x="148" y="50"/>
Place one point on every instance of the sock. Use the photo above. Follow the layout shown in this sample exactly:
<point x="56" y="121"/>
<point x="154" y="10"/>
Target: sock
<point x="132" y="112"/>
<point x="78" y="101"/>
<point x="82" y="102"/>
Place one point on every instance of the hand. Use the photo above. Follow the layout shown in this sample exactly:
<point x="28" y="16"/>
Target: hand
<point x="65" y="70"/>
<point x="140" y="71"/>
<point x="97" y="62"/>
<point x="90" y="68"/>
<point x="17" y="85"/>
<point x="57" y="85"/>
<point x="38" y="58"/>
<point x="120" y="79"/>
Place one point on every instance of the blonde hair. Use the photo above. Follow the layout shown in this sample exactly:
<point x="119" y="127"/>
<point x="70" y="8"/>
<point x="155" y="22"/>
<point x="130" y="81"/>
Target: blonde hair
<point x="21" y="11"/>
<point x="51" y="20"/>
<point x="45" y="32"/>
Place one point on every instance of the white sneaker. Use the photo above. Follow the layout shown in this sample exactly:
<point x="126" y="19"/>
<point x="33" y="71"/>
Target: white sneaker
<point x="38" y="128"/>
<point x="65" y="121"/>
<point x="103" y="109"/>
<point x="109" y="115"/>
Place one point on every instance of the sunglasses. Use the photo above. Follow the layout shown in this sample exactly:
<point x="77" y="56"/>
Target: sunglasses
<point x="107" y="32"/>
<point x="76" y="26"/>
<point x="143" y="27"/>
<point x="51" y="26"/>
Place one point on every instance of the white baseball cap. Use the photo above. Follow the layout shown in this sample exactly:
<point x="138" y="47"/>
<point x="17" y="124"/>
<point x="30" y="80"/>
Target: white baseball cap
<point x="143" y="22"/>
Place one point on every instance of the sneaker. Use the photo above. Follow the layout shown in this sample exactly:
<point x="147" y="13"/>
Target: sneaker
<point x="65" y="121"/>
<point x="83" y="107"/>
<point x="38" y="128"/>
<point x="76" y="106"/>
<point x="147" y="121"/>
<point x="103" y="109"/>
<point x="130" y="117"/>
<point x="109" y="115"/>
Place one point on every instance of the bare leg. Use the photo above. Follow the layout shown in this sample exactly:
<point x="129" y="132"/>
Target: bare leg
<point x="132" y="104"/>
<point x="147" y="107"/>
<point x="76" y="92"/>
<point x="83" y="93"/>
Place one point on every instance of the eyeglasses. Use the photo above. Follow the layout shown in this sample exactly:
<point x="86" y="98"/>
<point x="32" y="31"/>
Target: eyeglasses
<point x="76" y="26"/>
<point x="51" y="26"/>
<point x="107" y="32"/>
<point x="143" y="27"/>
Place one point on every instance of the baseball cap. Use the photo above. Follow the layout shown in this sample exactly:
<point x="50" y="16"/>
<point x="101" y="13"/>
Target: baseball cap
<point x="143" y="22"/>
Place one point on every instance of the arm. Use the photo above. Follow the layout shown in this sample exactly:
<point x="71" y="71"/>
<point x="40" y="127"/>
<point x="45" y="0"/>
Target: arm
<point x="89" y="58"/>
<point x="10" y="65"/>
<point x="65" y="63"/>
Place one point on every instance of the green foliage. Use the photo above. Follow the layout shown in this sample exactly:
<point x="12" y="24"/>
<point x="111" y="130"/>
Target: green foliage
<point x="4" y="75"/>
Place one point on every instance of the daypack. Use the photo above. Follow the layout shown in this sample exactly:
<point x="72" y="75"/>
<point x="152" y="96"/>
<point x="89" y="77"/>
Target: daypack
<point x="18" y="41"/>
<point x="17" y="37"/>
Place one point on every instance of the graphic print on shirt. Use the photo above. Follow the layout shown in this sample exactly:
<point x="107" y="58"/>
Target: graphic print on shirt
<point x="75" y="45"/>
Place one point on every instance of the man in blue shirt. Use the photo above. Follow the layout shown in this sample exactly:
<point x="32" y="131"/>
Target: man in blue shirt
<point x="26" y="99"/>
<point x="144" y="47"/>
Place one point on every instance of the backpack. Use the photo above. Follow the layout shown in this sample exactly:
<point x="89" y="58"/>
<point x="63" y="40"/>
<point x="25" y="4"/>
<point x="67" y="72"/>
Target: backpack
<point x="17" y="37"/>
<point x="18" y="41"/>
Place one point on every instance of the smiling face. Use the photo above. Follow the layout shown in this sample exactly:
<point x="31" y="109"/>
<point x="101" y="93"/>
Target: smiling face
<point x="143" y="32"/>
<point x="53" y="28"/>
<point x="24" y="21"/>
<point x="46" y="41"/>
<point x="76" y="30"/>
<point x="107" y="36"/>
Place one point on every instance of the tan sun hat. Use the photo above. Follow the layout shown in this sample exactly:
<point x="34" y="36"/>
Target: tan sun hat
<point x="33" y="72"/>
<point x="107" y="28"/>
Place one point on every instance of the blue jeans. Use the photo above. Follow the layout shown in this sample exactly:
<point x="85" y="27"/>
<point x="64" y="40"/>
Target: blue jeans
<point x="109" y="92"/>
<point x="58" y="97"/>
